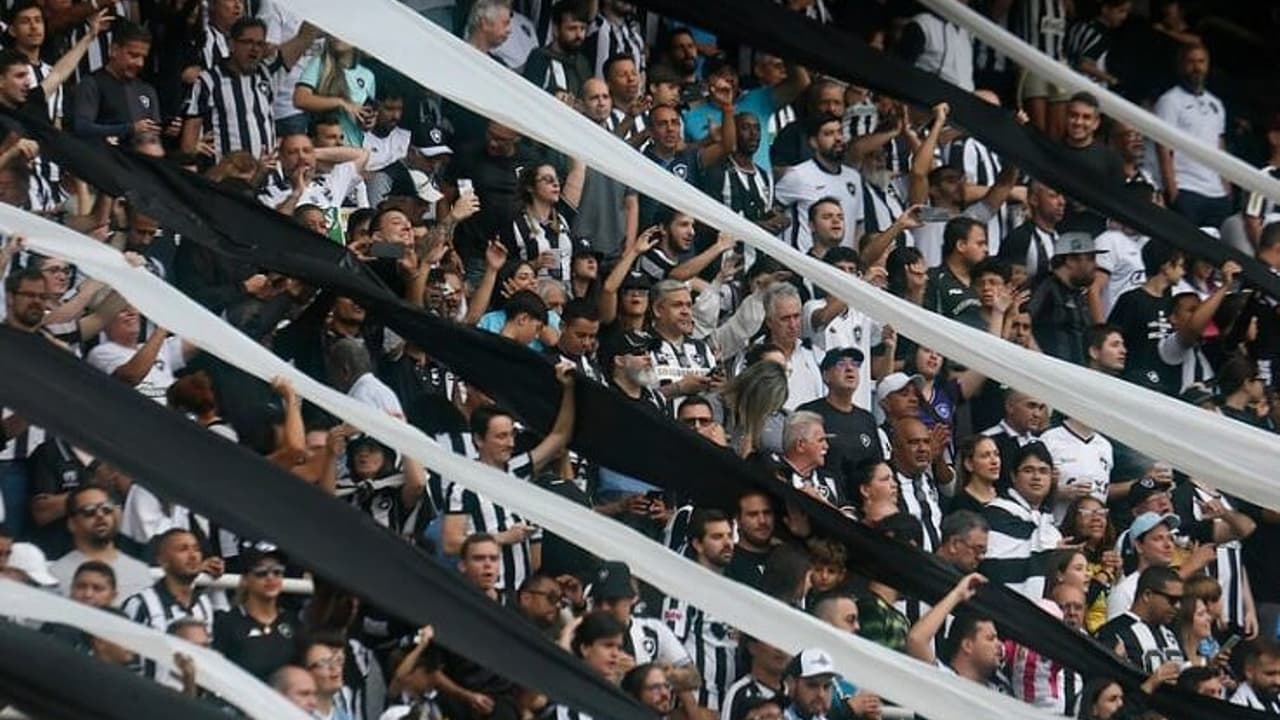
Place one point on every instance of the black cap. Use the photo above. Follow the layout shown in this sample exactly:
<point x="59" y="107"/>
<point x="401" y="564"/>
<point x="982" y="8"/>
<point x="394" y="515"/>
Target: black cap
<point x="1144" y="489"/>
<point x="582" y="246"/>
<point x="636" y="280"/>
<point x="1197" y="394"/>
<point x="252" y="553"/>
<point x="835" y="355"/>
<point x="612" y="581"/>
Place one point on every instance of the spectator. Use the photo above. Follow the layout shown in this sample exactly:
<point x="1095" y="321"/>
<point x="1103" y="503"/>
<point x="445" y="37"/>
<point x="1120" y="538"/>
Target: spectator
<point x="939" y="47"/>
<point x="1058" y="307"/>
<point x="804" y="442"/>
<point x="761" y="102"/>
<point x="1142" y="316"/>
<point x="324" y="656"/>
<point x="1086" y="520"/>
<point x="1022" y="528"/>
<point x="301" y="179"/>
<point x="1122" y="269"/>
<point x="256" y="633"/>
<point x="1081" y="141"/>
<point x="631" y="371"/>
<point x="874" y="490"/>
<point x="979" y="469"/>
<point x="1151" y="537"/>
<point x="823" y="176"/>
<point x="27" y="564"/>
<point x="755" y="521"/>
<point x="113" y="101"/>
<point x="94" y="522"/>
<point x="148" y="366"/>
<point x="1261" y="688"/>
<point x="973" y="646"/>
<point x="1141" y="634"/>
<point x="94" y="584"/>
<point x="879" y="620"/>
<point x="1259" y="210"/>
<point x="1193" y="189"/>
<point x="337" y="82"/>
<point x="783" y="324"/>
<point x="559" y="67"/>
<point x="1194" y="628"/>
<point x="647" y="684"/>
<point x="1024" y="418"/>
<point x="609" y="211"/>
<point x="1103" y="699"/>
<point x="1029" y="247"/>
<point x="615" y="31"/>
<point x="853" y="438"/>
<point x="647" y="639"/>
<point x="297" y="686"/>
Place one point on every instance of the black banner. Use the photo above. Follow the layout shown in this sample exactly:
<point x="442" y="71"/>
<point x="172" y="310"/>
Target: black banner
<point x="48" y="679"/>
<point x="240" y="490"/>
<point x="769" y="26"/>
<point x="614" y="433"/>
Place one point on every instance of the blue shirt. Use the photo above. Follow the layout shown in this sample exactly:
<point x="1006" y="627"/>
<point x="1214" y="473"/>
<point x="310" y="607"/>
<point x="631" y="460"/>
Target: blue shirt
<point x="493" y="322"/>
<point x="758" y="102"/>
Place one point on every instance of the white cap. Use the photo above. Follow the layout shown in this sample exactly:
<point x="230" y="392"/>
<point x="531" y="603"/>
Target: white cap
<point x="425" y="188"/>
<point x="811" y="662"/>
<point x="893" y="382"/>
<point x="31" y="560"/>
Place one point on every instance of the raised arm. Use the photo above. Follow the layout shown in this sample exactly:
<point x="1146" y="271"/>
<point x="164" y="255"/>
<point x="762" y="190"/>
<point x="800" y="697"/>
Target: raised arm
<point x="143" y="360"/>
<point x="694" y="266"/>
<point x="922" y="163"/>
<point x="558" y="439"/>
<point x="68" y="62"/>
<point x="920" y="637"/>
<point x="721" y="93"/>
<point x="647" y="241"/>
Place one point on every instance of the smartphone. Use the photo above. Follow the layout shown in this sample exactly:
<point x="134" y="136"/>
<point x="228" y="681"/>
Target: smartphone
<point x="465" y="186"/>
<point x="391" y="251"/>
<point x="934" y="214"/>
<point x="1230" y="644"/>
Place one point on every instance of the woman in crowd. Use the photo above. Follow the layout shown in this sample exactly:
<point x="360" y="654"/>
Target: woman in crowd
<point x="753" y="407"/>
<point x="256" y="634"/>
<point x="337" y="82"/>
<point x="1103" y="699"/>
<point x="978" y="473"/>
<point x="875" y="493"/>
<point x="1086" y="521"/>
<point x="193" y="394"/>
<point x="1195" y="631"/>
<point x="907" y="276"/>
<point x="540" y="232"/>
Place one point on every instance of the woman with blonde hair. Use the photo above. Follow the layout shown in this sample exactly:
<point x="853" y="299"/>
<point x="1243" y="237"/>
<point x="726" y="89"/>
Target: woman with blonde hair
<point x="256" y="633"/>
<point x="753" y="407"/>
<point x="336" y="83"/>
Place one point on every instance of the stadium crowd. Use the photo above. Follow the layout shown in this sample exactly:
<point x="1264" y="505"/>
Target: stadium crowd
<point x="474" y="223"/>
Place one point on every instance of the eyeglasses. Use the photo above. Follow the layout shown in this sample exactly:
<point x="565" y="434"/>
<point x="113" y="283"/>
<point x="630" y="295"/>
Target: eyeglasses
<point x="847" y="362"/>
<point x="1091" y="512"/>
<point x="654" y="687"/>
<point x="96" y="509"/>
<point x="1173" y="599"/>
<point x="552" y="596"/>
<point x="270" y="570"/>
<point x="331" y="662"/>
<point x="697" y="422"/>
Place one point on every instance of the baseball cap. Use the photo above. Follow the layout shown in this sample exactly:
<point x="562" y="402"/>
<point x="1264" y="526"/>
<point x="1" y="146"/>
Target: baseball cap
<point x="31" y="560"/>
<point x="582" y="246"/>
<point x="835" y="355"/>
<point x="636" y="280"/>
<point x="1143" y="489"/>
<point x="251" y="553"/>
<point x="1076" y="243"/>
<point x="1197" y="394"/>
<point x="1146" y="522"/>
<point x="893" y="382"/>
<point x="612" y="581"/>
<point x="423" y="187"/>
<point x="434" y="142"/>
<point x="810" y="662"/>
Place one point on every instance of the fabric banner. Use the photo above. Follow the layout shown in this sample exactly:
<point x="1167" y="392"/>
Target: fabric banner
<point x="771" y="27"/>
<point x="213" y="671"/>
<point x="240" y="490"/>
<point x="1016" y="49"/>
<point x="47" y="678"/>
<point x="711" y="476"/>
<point x="878" y="669"/>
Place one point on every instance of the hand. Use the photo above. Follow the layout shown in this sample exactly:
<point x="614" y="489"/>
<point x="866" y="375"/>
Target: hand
<point x="648" y="239"/>
<point x="282" y="387"/>
<point x="693" y="384"/>
<point x="134" y="259"/>
<point x="910" y="218"/>
<point x="174" y="128"/>
<point x="205" y="146"/>
<point x="298" y="181"/>
<point x="468" y="204"/>
<point x="495" y="255"/>
<point x="1230" y="271"/>
<point x="408" y="262"/>
<point x="480" y="703"/>
<point x="214" y="567"/>
<point x="1203" y="554"/>
<point x="1075" y="490"/>
<point x="564" y="373"/>
<point x="1222" y="660"/>
<point x="968" y="587"/>
<point x="186" y="672"/>
<point x="548" y="260"/>
<point x="336" y="443"/>
<point x="1022" y="117"/>
<point x="1213" y="509"/>
<point x="889" y="336"/>
<point x="941" y="112"/>
<point x="1070" y="543"/>
<point x="729" y="266"/>
<point x="720" y="91"/>
<point x="1112" y="563"/>
<point x="571" y="589"/>
<point x="1161" y="474"/>
<point x="270" y="159"/>
<point x="1166" y="674"/>
<point x="636" y="504"/>
<point x="28" y="148"/>
<point x="144" y="126"/>
<point x="939" y="438"/>
<point x="258" y="286"/>
<point x="1250" y="624"/>
<point x="425" y="635"/>
<point x="509" y="287"/>
<point x="99" y="23"/>
<point x="865" y="705"/>
<point x="625" y="663"/>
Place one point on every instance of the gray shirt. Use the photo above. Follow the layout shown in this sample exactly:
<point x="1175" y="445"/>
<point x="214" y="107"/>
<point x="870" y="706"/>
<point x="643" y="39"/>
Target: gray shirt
<point x="601" y="217"/>
<point x="132" y="575"/>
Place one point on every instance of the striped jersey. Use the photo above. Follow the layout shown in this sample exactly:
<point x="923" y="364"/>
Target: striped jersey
<point x="1246" y="696"/>
<point x="237" y="108"/>
<point x="650" y="640"/>
<point x="1040" y="681"/>
<point x="216" y="47"/>
<point x="486" y="516"/>
<point x="745" y="690"/>
<point x="1021" y="540"/>
<point x="981" y="167"/>
<point x="157" y="608"/>
<point x="1144" y="645"/>
<point x="45" y="192"/>
<point x="605" y="39"/>
<point x="1042" y="24"/>
<point x="100" y="48"/>
<point x="1087" y="40"/>
<point x="532" y="238"/>
<point x="712" y="644"/>
<point x="1261" y="206"/>
<point x="918" y="496"/>
<point x="1227" y="567"/>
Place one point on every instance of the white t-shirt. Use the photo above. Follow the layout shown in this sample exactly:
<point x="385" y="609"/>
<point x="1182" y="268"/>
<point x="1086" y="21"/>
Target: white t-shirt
<point x="523" y="39"/>
<point x="852" y="329"/>
<point x="1079" y="461"/>
<point x="1121" y="597"/>
<point x="1204" y="118"/>
<point x="1123" y="264"/>
<point x="326" y="191"/>
<point x="282" y="26"/>
<point x="110" y="356"/>
<point x="372" y="391"/>
<point x="384" y="151"/>
<point x="805" y="184"/>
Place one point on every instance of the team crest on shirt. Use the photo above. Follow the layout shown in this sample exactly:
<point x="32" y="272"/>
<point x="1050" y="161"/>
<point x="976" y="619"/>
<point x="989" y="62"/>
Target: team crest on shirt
<point x="286" y="630"/>
<point x="865" y="439"/>
<point x="681" y="171"/>
<point x="853" y="189"/>
<point x="650" y="646"/>
<point x="943" y="411"/>
<point x="360" y="82"/>
<point x="1153" y="377"/>
<point x="264" y="87"/>
<point x="144" y="101"/>
<point x="857" y="335"/>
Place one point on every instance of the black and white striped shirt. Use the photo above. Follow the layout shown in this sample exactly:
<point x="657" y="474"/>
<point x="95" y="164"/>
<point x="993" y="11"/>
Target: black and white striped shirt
<point x="617" y="116"/>
<point x="486" y="516"/>
<point x="881" y="208"/>
<point x="919" y="497"/>
<point x="1146" y="646"/>
<point x="818" y="479"/>
<point x="100" y="49"/>
<point x="1042" y="24"/>
<point x="605" y="39"/>
<point x="532" y="238"/>
<point x="981" y="167"/>
<point x="747" y="192"/>
<point x="45" y="192"/>
<point x="562" y="712"/>
<point x="157" y="608"/>
<point x="1262" y="206"/>
<point x="1021" y="540"/>
<point x="1087" y="40"/>
<point x="650" y="640"/>
<point x="712" y="644"/>
<point x="216" y="47"/>
<point x="740" y="693"/>
<point x="688" y="354"/>
<point x="1246" y="696"/>
<point x="1227" y="567"/>
<point x="237" y="107"/>
<point x="22" y="445"/>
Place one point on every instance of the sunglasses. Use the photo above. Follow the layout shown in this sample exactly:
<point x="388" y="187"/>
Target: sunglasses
<point x="97" y="509"/>
<point x="271" y="570"/>
<point x="1173" y="599"/>
<point x="696" y="422"/>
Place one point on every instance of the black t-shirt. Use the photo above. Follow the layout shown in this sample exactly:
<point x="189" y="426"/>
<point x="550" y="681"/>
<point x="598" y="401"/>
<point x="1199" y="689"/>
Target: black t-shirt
<point x="790" y="147"/>
<point x="54" y="469"/>
<point x="1144" y="321"/>
<point x="855" y="440"/>
<point x="946" y="295"/>
<point x="494" y="179"/>
<point x="259" y="649"/>
<point x="1103" y="162"/>
<point x="747" y="567"/>
<point x="559" y="556"/>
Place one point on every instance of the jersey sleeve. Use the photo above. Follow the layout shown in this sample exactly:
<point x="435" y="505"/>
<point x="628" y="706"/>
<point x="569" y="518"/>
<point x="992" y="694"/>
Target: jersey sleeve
<point x="198" y="99"/>
<point x="670" y="649"/>
<point x="108" y="357"/>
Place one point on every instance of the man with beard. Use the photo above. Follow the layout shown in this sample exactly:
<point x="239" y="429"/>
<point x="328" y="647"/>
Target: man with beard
<point x="174" y="596"/>
<point x="950" y="291"/>
<point x="1030" y="245"/>
<point x="615" y="31"/>
<point x="744" y="186"/>
<point x="94" y="521"/>
<point x="756" y="523"/>
<point x="1193" y="189"/>
<point x="825" y="175"/>
<point x="713" y="644"/>
<point x="631" y="370"/>
<point x="559" y="68"/>
<point x="1059" y="306"/>
<point x="609" y="211"/>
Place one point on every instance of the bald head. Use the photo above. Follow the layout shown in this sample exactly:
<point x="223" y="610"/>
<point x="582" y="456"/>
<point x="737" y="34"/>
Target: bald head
<point x="297" y="686"/>
<point x="912" y="446"/>
<point x="597" y="103"/>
